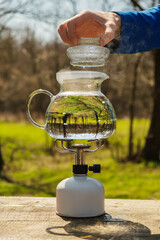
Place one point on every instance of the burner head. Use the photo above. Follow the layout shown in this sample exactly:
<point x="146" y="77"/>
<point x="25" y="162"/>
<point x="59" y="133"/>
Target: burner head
<point x="80" y="146"/>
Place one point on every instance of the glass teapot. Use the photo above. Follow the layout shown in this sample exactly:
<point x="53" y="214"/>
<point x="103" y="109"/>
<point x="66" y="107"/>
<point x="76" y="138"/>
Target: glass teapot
<point x="80" y="110"/>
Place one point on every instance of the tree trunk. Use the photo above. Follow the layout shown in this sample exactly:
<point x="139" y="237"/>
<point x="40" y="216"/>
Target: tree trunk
<point x="1" y="159"/>
<point x="152" y="145"/>
<point x="131" y="108"/>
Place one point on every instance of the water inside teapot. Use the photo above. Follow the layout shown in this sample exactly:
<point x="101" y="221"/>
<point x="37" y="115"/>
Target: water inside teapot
<point x="80" y="117"/>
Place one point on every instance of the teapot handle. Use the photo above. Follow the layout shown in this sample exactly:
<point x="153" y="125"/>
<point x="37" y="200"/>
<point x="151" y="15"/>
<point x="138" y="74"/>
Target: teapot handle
<point x="39" y="91"/>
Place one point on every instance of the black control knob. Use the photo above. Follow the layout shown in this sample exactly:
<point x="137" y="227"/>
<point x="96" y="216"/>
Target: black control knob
<point x="80" y="169"/>
<point x="96" y="168"/>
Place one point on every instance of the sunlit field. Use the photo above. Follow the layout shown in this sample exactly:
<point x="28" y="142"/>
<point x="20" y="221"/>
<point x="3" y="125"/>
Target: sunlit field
<point x="33" y="167"/>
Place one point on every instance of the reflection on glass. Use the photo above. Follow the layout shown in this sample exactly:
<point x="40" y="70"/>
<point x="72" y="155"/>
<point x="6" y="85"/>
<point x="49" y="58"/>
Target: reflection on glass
<point x="80" y="117"/>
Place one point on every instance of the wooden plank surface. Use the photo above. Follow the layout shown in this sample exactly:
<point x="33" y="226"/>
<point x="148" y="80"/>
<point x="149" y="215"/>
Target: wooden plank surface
<point x="35" y="218"/>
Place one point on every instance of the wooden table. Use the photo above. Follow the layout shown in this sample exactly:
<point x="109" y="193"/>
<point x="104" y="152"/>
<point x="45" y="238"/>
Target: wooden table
<point x="35" y="218"/>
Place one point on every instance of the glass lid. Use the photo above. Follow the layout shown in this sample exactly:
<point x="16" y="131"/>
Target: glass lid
<point x="88" y="53"/>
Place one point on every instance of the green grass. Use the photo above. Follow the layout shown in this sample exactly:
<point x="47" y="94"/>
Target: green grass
<point x="33" y="171"/>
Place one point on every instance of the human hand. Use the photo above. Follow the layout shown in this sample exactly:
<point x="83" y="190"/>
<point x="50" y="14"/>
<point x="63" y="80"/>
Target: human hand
<point x="106" y="25"/>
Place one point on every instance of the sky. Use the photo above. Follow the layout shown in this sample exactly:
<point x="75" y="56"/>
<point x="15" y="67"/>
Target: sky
<point x="46" y="30"/>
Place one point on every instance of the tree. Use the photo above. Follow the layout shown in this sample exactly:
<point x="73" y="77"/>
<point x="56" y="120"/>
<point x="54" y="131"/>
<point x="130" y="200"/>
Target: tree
<point x="151" y="150"/>
<point x="132" y="106"/>
<point x="152" y="145"/>
<point x="1" y="159"/>
<point x="8" y="8"/>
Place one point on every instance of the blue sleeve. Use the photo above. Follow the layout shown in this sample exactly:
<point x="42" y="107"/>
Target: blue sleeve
<point x="140" y="31"/>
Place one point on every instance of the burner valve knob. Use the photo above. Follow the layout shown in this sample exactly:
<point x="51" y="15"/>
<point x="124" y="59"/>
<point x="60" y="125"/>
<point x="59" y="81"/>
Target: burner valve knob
<point x="96" y="168"/>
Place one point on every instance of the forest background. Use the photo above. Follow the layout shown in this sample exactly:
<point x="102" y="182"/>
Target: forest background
<point x="30" y="55"/>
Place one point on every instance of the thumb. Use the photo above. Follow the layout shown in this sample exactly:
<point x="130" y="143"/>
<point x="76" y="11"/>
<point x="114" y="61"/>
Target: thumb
<point x="107" y="36"/>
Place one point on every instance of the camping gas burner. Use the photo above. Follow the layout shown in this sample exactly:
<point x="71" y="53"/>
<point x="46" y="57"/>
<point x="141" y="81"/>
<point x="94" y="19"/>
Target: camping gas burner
<point x="79" y="150"/>
<point x="80" y="111"/>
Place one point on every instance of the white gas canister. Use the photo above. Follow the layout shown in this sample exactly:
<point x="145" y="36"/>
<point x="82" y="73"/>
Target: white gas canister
<point x="80" y="196"/>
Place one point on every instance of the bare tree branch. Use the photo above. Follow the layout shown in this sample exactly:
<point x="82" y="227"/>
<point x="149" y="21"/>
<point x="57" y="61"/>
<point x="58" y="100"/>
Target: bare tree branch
<point x="74" y="6"/>
<point x="106" y="6"/>
<point x="137" y="5"/>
